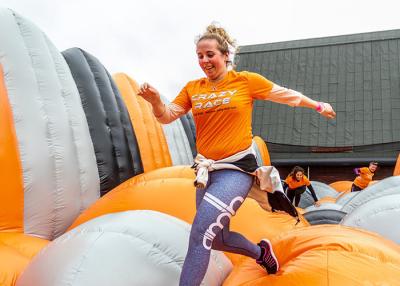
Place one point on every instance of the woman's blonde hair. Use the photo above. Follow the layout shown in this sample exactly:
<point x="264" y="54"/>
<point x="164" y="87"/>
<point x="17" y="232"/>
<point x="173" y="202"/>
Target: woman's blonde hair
<point x="226" y="45"/>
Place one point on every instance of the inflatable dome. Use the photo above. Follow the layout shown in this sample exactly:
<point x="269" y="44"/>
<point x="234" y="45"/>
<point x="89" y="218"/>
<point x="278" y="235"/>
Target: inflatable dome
<point x="325" y="255"/>
<point x="386" y="186"/>
<point x="321" y="190"/>
<point x="377" y="215"/>
<point x="127" y="248"/>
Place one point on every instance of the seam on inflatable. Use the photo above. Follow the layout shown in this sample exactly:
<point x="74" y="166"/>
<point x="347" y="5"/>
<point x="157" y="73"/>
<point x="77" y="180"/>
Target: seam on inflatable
<point x="84" y="258"/>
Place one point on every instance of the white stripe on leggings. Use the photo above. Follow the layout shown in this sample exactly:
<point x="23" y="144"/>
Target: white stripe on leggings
<point x="213" y="203"/>
<point x="220" y="203"/>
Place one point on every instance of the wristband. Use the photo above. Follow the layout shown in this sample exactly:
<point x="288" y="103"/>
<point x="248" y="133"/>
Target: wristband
<point x="320" y="107"/>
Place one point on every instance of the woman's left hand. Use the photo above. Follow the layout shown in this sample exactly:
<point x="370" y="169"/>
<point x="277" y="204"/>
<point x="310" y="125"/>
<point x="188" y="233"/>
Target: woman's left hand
<point x="317" y="204"/>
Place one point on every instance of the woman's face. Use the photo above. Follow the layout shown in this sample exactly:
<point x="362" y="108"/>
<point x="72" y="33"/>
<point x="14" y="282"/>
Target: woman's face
<point x="299" y="176"/>
<point x="211" y="60"/>
<point x="372" y="167"/>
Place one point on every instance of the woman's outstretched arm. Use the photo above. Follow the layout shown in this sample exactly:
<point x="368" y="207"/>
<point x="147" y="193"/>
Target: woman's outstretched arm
<point x="164" y="114"/>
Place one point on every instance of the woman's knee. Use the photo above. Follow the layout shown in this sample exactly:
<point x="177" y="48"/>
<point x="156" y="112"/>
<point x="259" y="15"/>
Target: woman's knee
<point x="197" y="233"/>
<point x="218" y="242"/>
<point x="206" y="231"/>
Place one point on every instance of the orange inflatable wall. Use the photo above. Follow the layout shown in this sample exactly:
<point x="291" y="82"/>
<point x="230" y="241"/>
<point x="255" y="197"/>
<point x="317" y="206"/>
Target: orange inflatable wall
<point x="153" y="146"/>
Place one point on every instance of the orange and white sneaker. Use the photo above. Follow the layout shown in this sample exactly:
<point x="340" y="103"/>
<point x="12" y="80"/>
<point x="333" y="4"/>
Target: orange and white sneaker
<point x="267" y="259"/>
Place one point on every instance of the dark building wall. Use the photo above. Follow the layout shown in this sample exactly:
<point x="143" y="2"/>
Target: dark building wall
<point x="358" y="74"/>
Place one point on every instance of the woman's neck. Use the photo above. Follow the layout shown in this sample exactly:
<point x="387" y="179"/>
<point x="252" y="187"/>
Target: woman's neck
<point x="218" y="79"/>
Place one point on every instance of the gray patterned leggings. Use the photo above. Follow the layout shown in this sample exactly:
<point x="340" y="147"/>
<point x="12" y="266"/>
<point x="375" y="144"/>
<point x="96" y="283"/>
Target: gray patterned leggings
<point x="216" y="204"/>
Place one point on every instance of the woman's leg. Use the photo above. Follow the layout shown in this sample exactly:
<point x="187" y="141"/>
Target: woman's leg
<point x="223" y="196"/>
<point x="234" y="242"/>
<point x="297" y="200"/>
<point x="227" y="240"/>
<point x="298" y="192"/>
<point x="355" y="188"/>
<point x="290" y="194"/>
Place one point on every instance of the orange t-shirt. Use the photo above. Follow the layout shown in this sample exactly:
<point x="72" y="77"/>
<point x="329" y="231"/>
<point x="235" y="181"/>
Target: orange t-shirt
<point x="222" y="111"/>
<point x="362" y="181"/>
<point x="294" y="184"/>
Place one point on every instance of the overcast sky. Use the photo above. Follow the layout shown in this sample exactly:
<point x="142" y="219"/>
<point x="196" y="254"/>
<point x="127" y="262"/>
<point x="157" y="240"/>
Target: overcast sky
<point x="154" y="40"/>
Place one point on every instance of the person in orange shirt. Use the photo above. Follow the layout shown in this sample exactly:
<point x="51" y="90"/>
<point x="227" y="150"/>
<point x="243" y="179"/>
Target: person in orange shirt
<point x="364" y="177"/>
<point x="221" y="103"/>
<point x="295" y="185"/>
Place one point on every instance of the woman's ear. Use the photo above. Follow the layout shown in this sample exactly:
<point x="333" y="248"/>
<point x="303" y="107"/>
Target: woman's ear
<point x="226" y="56"/>
<point x="226" y="59"/>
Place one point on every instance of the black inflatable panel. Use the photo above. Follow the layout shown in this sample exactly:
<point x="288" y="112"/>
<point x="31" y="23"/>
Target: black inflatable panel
<point x="116" y="148"/>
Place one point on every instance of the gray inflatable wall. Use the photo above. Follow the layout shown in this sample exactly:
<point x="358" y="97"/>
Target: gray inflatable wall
<point x="177" y="141"/>
<point x="59" y="166"/>
<point x="188" y="125"/>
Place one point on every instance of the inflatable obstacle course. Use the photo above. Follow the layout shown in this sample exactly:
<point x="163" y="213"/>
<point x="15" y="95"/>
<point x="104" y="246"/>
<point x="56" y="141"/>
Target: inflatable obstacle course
<point x="84" y="162"/>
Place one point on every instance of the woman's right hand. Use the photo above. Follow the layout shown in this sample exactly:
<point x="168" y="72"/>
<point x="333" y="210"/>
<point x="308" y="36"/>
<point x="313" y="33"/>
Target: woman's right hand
<point x="149" y="93"/>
